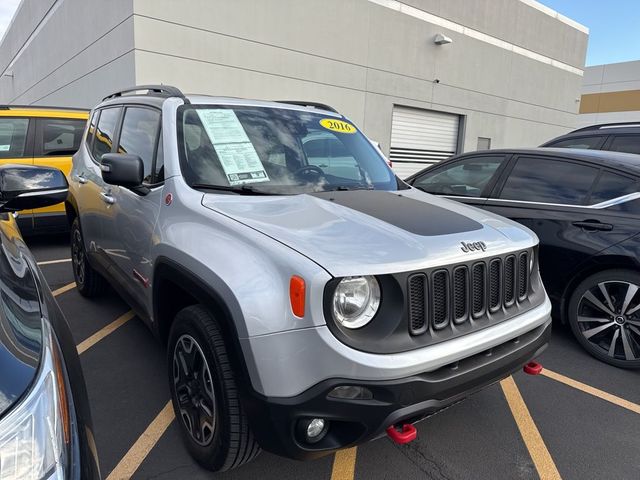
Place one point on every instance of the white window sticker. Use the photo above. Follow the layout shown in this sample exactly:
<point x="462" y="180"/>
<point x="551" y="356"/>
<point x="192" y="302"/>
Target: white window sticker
<point x="241" y="163"/>
<point x="222" y="126"/>
<point x="239" y="159"/>
<point x="4" y="148"/>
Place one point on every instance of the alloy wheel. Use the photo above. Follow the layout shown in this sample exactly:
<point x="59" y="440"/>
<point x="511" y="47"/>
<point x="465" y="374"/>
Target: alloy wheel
<point x="77" y="256"/>
<point x="194" y="390"/>
<point x="609" y="318"/>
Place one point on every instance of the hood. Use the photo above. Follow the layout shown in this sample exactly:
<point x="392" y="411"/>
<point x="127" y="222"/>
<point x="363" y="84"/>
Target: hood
<point x="368" y="232"/>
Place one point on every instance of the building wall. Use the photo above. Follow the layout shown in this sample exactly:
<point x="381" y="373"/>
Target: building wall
<point x="67" y="52"/>
<point x="364" y="56"/>
<point x="611" y="93"/>
<point x="513" y="70"/>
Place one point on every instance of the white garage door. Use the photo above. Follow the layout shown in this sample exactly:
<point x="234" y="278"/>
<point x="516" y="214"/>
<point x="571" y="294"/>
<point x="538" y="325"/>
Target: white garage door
<point x="420" y="138"/>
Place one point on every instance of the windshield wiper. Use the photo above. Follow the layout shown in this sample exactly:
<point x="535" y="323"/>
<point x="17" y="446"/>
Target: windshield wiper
<point x="345" y="188"/>
<point x="239" y="189"/>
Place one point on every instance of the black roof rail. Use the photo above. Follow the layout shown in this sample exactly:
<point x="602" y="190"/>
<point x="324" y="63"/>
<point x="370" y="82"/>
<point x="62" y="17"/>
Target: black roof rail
<point x="43" y="107"/>
<point x="167" y="90"/>
<point x="607" y="125"/>
<point x="302" y="103"/>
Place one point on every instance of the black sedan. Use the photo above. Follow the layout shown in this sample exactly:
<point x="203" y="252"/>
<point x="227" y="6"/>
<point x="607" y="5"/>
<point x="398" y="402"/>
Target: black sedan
<point x="584" y="205"/>
<point x="45" y="422"/>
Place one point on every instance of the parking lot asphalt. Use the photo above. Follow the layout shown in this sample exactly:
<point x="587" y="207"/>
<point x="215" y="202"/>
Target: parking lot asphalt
<point x="579" y="420"/>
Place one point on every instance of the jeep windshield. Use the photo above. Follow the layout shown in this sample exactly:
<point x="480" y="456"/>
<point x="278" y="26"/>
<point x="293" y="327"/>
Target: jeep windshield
<point x="257" y="150"/>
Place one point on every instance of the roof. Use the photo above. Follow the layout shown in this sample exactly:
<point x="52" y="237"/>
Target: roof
<point x="626" y="161"/>
<point x="244" y="102"/>
<point x="42" y="111"/>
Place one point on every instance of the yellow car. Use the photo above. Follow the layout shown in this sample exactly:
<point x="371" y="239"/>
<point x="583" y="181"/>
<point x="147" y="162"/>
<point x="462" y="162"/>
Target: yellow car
<point x="44" y="136"/>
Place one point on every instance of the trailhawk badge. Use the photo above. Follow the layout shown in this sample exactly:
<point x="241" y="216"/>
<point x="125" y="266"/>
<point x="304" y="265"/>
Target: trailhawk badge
<point x="472" y="247"/>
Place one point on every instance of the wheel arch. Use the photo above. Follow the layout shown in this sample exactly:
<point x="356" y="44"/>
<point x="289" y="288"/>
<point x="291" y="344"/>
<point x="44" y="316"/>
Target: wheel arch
<point x="175" y="287"/>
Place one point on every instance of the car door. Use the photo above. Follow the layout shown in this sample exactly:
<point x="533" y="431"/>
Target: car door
<point x="561" y="201"/>
<point x="16" y="146"/>
<point x="467" y="179"/>
<point x="133" y="212"/>
<point x="92" y="192"/>
<point x="56" y="140"/>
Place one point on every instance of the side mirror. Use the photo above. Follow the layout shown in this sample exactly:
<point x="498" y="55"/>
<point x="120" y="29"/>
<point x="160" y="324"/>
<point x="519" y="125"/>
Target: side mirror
<point x="122" y="169"/>
<point x="23" y="187"/>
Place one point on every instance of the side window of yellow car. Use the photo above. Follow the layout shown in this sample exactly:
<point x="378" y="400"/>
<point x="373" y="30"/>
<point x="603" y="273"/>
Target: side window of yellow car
<point x="16" y="145"/>
<point x="57" y="139"/>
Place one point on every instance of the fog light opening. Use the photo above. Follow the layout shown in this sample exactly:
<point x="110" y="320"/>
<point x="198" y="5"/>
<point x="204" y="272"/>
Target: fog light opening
<point x="351" y="392"/>
<point x="312" y="430"/>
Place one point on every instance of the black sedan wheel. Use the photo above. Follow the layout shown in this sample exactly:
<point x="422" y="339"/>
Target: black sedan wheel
<point x="604" y="313"/>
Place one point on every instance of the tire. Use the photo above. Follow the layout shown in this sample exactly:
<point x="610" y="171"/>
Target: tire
<point x="88" y="282"/>
<point x="210" y="399"/>
<point x="618" y="326"/>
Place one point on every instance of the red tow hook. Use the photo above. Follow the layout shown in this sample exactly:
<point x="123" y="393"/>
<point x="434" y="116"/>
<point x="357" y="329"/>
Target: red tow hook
<point x="406" y="435"/>
<point x="532" y="368"/>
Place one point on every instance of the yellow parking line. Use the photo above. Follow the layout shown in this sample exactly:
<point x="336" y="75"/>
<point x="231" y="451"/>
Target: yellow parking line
<point x="51" y="262"/>
<point x="103" y="332"/>
<point x="66" y="288"/>
<point x="621" y="402"/>
<point x="139" y="451"/>
<point x="344" y="464"/>
<point x="541" y="457"/>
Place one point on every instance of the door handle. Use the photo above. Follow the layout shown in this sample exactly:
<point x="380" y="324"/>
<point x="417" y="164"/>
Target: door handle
<point x="594" y="225"/>
<point x="80" y="179"/>
<point x="106" y="198"/>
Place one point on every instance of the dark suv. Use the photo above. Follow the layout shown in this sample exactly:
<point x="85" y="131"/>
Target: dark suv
<point x="616" y="137"/>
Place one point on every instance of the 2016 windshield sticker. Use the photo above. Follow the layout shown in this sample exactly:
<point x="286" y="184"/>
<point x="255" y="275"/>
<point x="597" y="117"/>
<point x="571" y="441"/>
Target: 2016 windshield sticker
<point x="239" y="159"/>
<point x="337" y="125"/>
<point x="241" y="163"/>
<point x="4" y="148"/>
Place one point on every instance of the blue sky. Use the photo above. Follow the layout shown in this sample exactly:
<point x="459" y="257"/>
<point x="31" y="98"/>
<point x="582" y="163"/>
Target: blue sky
<point x="614" y="27"/>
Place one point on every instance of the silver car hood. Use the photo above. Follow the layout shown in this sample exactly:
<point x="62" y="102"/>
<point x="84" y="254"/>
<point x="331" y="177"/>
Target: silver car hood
<point x="374" y="232"/>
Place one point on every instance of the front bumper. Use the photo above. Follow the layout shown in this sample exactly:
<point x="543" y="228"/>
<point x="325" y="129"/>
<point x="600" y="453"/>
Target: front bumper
<point x="407" y="400"/>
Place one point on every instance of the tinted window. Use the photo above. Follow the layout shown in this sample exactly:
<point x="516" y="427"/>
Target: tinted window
<point x="13" y="137"/>
<point x="61" y="136"/>
<point x="139" y="134"/>
<point x="578" y="142"/>
<point x="160" y="160"/>
<point x="626" y="143"/>
<point x="549" y="181"/>
<point x="92" y="128"/>
<point x="467" y="178"/>
<point x="105" y="131"/>
<point x="611" y="185"/>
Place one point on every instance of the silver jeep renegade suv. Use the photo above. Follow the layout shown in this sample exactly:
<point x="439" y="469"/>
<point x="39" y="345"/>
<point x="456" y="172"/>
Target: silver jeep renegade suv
<point x="309" y="300"/>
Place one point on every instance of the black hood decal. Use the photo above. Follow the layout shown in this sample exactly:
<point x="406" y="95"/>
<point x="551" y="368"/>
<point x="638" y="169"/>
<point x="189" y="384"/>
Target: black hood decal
<point x="415" y="216"/>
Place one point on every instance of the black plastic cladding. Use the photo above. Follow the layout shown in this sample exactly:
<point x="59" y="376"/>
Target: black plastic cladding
<point x="409" y="318"/>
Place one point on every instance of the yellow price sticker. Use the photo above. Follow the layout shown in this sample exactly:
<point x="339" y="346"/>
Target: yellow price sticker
<point x="337" y="125"/>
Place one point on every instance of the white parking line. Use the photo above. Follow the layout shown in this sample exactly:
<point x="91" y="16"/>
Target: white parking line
<point x="51" y="262"/>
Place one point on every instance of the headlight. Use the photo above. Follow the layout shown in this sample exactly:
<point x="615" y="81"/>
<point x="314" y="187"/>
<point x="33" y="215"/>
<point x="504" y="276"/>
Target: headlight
<point x="356" y="301"/>
<point x="35" y="435"/>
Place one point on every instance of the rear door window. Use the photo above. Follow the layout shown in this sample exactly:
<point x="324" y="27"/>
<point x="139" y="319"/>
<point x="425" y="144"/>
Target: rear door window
<point x="467" y="178"/>
<point x="612" y="185"/>
<point x="13" y="137"/>
<point x="626" y="143"/>
<point x="105" y="131"/>
<point x="59" y="136"/>
<point x="584" y="143"/>
<point x="139" y="136"/>
<point x="548" y="180"/>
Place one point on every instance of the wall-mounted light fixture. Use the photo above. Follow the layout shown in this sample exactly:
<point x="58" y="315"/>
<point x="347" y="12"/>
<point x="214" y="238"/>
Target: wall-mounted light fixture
<point x="441" y="39"/>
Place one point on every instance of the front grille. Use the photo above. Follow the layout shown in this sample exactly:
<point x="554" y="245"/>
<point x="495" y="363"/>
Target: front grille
<point x="418" y="303"/>
<point x="462" y="293"/>
<point x="440" y="298"/>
